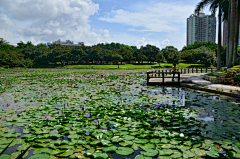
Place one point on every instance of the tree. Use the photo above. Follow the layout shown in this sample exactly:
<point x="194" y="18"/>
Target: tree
<point x="214" y="5"/>
<point x="160" y="58"/>
<point x="150" y="52"/>
<point x="171" y="54"/>
<point x="117" y="58"/>
<point x="204" y="55"/>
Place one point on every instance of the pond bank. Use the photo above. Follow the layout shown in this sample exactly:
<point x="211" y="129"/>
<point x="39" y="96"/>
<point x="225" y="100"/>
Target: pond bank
<point x="199" y="83"/>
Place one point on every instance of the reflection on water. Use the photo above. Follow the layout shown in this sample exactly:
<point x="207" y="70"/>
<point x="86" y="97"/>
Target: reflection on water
<point x="220" y="113"/>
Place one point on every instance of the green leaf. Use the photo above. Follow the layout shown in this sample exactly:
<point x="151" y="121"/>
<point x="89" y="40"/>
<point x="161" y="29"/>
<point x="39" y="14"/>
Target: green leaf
<point x="116" y="139"/>
<point x="141" y="141"/>
<point x="109" y="149"/>
<point x="188" y="154"/>
<point x="100" y="155"/>
<point x="126" y="143"/>
<point x="165" y="152"/>
<point x="40" y="156"/>
<point x="42" y="150"/>
<point x="124" y="151"/>
<point x="128" y="137"/>
<point x="5" y="156"/>
<point x="90" y="152"/>
<point x="106" y="142"/>
<point x="23" y="147"/>
<point x="176" y="154"/>
<point x="149" y="152"/>
<point x="156" y="141"/>
<point x="66" y="153"/>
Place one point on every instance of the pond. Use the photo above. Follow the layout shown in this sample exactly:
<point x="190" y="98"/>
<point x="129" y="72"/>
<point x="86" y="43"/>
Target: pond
<point x="59" y="113"/>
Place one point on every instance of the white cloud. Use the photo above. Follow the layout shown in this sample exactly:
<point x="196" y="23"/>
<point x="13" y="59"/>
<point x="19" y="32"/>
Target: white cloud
<point x="49" y="20"/>
<point x="165" y="42"/>
<point x="158" y="17"/>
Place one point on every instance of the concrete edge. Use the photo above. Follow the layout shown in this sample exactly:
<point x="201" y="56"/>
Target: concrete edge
<point x="199" y="87"/>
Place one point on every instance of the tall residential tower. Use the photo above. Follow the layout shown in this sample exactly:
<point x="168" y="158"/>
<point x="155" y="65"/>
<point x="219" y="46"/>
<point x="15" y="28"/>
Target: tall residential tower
<point x="201" y="28"/>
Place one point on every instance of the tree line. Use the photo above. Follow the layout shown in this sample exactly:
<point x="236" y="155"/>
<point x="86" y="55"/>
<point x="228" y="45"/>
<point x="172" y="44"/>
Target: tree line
<point x="28" y="55"/>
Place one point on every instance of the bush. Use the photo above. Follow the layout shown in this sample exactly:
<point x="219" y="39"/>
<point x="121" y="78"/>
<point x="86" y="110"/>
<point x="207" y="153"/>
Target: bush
<point x="232" y="77"/>
<point x="6" y="66"/>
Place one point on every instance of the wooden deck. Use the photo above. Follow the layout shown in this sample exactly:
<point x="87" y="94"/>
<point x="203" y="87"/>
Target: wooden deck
<point x="163" y="78"/>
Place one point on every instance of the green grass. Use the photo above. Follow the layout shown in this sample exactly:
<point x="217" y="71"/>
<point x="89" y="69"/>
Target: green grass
<point x="3" y="68"/>
<point x="211" y="74"/>
<point x="126" y="66"/>
<point x="237" y="66"/>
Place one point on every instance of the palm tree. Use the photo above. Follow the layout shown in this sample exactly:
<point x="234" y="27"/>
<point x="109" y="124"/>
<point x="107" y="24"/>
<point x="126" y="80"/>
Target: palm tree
<point x="233" y="27"/>
<point x="214" y="5"/>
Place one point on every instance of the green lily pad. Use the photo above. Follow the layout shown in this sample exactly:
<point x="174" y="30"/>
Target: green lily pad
<point x="124" y="151"/>
<point x="188" y="154"/>
<point x="149" y="152"/>
<point x="126" y="143"/>
<point x="39" y="156"/>
<point x="100" y="155"/>
<point x="106" y="142"/>
<point x="165" y="152"/>
<point x="128" y="137"/>
<point x="90" y="152"/>
<point x="176" y="154"/>
<point x="42" y="150"/>
<point x="5" y="156"/>
<point x="156" y="141"/>
<point x="141" y="141"/>
<point x="116" y="139"/>
<point x="109" y="149"/>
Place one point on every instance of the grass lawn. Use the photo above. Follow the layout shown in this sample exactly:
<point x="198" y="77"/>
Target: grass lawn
<point x="130" y="66"/>
<point x="237" y="66"/>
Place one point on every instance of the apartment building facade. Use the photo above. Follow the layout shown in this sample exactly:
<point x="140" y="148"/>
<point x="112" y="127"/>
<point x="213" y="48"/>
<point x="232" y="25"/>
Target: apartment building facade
<point x="201" y="28"/>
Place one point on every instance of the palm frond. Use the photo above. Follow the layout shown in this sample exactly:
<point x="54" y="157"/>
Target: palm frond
<point x="201" y="5"/>
<point x="214" y="5"/>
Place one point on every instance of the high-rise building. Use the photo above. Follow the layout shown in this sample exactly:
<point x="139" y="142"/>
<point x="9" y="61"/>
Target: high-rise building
<point x="225" y="34"/>
<point x="201" y="28"/>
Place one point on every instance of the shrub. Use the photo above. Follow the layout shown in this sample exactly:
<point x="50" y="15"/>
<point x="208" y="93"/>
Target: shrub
<point x="232" y="77"/>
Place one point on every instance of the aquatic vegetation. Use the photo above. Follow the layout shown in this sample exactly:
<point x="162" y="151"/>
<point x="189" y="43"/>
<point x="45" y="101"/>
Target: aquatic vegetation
<point x="89" y="114"/>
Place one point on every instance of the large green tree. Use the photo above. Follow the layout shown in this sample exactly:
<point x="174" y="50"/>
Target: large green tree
<point x="214" y="4"/>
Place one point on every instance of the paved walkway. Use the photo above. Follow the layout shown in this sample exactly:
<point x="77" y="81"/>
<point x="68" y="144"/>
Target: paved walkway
<point x="197" y="78"/>
<point x="199" y="83"/>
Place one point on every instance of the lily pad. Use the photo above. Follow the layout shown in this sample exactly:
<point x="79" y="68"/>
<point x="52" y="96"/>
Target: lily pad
<point x="124" y="151"/>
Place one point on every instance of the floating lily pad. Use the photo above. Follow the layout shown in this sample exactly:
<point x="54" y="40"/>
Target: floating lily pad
<point x="124" y="151"/>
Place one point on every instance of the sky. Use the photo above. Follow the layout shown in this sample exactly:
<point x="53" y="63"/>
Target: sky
<point x="136" y="22"/>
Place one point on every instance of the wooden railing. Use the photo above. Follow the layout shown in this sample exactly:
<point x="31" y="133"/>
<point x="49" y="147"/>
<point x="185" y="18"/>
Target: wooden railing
<point x="159" y="74"/>
<point x="186" y="70"/>
<point x="162" y="72"/>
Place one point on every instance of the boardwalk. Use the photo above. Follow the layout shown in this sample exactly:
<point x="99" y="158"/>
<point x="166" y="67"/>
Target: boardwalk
<point x="183" y="77"/>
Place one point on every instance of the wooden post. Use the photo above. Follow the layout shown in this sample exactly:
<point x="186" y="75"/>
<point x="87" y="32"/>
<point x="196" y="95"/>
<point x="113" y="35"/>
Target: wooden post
<point x="178" y="78"/>
<point x="211" y="69"/>
<point x="181" y="70"/>
<point x="147" y="77"/>
<point x="155" y="73"/>
<point x="206" y="69"/>
<point x="196" y="70"/>
<point x="188" y="70"/>
<point x="201" y="69"/>
<point x="192" y="70"/>
<point x="163" y="78"/>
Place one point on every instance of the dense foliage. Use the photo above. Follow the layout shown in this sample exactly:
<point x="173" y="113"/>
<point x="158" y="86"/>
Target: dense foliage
<point x="28" y="55"/>
<point x="232" y="77"/>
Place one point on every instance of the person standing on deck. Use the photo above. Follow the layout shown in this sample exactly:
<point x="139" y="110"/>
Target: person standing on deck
<point x="174" y="68"/>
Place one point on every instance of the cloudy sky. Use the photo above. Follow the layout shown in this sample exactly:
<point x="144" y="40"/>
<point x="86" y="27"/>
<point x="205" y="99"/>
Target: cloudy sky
<point x="132" y="22"/>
